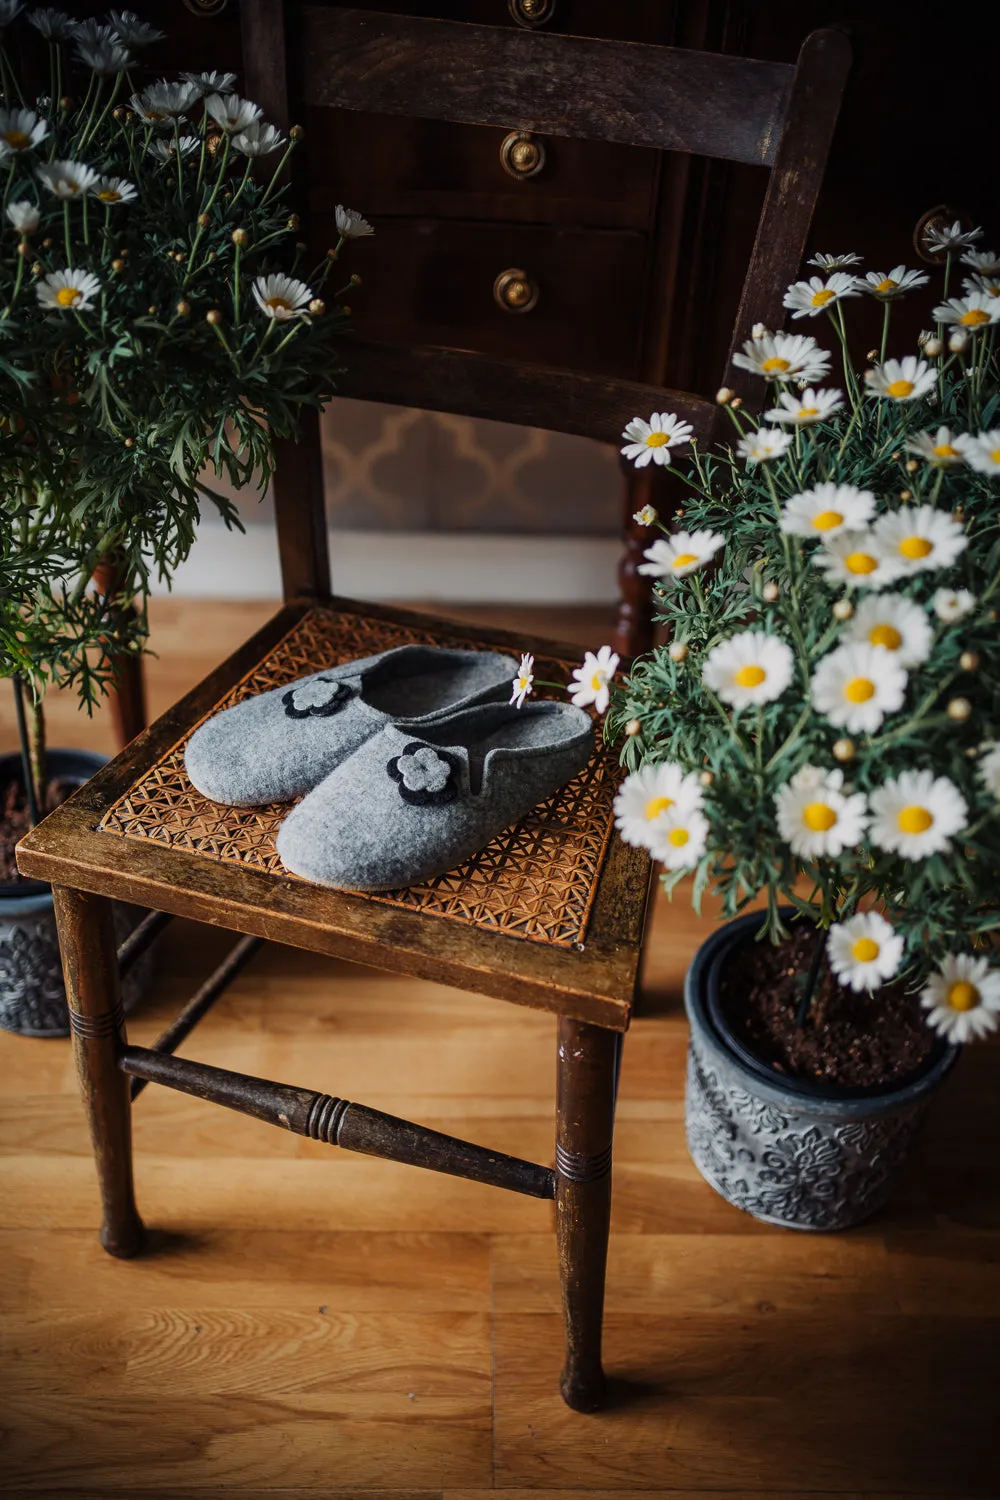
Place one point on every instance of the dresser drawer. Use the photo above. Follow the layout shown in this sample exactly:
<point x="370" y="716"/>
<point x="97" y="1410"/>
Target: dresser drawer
<point x="433" y="282"/>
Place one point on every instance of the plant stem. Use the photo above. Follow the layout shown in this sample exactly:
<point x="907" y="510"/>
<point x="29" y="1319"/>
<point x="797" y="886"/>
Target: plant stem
<point x="812" y="978"/>
<point x="27" y="773"/>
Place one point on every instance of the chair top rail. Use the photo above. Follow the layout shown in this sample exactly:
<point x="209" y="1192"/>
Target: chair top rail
<point x="666" y="98"/>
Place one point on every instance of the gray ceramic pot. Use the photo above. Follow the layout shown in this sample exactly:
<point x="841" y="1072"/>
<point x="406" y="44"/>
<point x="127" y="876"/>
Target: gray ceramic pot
<point x="32" y="998"/>
<point x="787" y="1152"/>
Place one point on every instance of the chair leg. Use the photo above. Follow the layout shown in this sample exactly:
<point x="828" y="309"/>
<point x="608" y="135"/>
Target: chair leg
<point x="585" y="1107"/>
<point x="90" y="969"/>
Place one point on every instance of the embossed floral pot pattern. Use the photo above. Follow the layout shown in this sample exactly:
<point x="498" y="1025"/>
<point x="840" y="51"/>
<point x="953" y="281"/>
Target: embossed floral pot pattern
<point x="780" y="1152"/>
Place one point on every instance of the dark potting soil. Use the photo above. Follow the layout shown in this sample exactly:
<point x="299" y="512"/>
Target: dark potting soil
<point x="852" y="1039"/>
<point x="14" y="819"/>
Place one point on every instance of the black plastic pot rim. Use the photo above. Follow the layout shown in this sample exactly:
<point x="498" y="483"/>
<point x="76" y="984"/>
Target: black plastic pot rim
<point x="701" y="998"/>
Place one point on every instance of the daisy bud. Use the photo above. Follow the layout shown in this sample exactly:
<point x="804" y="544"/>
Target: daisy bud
<point x="677" y="651"/>
<point x="213" y="316"/>
<point x="968" y="661"/>
<point x="317" y="307"/>
<point x="736" y="402"/>
<point x="24" y="249"/>
<point x="906" y="495"/>
<point x="210" y="255"/>
<point x="130" y="442"/>
<point x="933" y="348"/>
<point x="204" y="220"/>
<point x="355" y="279"/>
<point x="959" y="709"/>
<point x="36" y="269"/>
<point x="759" y="331"/>
<point x="723" y="395"/>
<point x="47" y="242"/>
<point x="65" y="102"/>
<point x="771" y="592"/>
<point x="183" y="308"/>
<point x="293" y="222"/>
<point x="706" y="778"/>
<point x="633" y="727"/>
<point x="296" y="133"/>
<point x="957" y="343"/>
<point x="843" y="609"/>
<point x="152" y="309"/>
<point x="118" y="265"/>
<point x="872" y="355"/>
<point x="911" y="466"/>
<point x="958" y="514"/>
<point x="844" y="750"/>
<point x="346" y="310"/>
<point x="240" y="237"/>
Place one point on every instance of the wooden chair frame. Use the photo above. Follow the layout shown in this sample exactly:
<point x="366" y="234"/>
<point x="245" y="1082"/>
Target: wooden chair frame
<point x="620" y="92"/>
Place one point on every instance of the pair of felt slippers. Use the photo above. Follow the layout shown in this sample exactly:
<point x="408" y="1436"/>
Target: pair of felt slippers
<point x="407" y="762"/>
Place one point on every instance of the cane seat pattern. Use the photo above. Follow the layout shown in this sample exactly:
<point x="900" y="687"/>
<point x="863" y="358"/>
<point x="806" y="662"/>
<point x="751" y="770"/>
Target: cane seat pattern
<point x="536" y="880"/>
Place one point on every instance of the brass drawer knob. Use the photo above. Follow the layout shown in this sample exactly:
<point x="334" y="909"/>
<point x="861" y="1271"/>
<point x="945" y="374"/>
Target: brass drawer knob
<point x="521" y="155"/>
<point x="531" y="13"/>
<point x="514" y="291"/>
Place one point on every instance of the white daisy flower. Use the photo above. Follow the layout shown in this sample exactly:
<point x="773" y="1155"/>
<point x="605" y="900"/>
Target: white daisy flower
<point x="887" y="286"/>
<point x="92" y="32"/>
<point x="751" y="667"/>
<point x="679" y="838"/>
<point x="24" y="216"/>
<point x="969" y="313"/>
<point x="592" y="680"/>
<point x="834" y="262"/>
<point x="681" y="554"/>
<point x="989" y="768"/>
<point x="806" y="299"/>
<point x="762" y="446"/>
<point x="258" y="140"/>
<point x="67" y="179"/>
<point x="896" y="624"/>
<point x="952" y="604"/>
<point x="163" y="103"/>
<point x="985" y="262"/>
<point x="937" y="448"/>
<point x="282" y="297"/>
<point x="916" y="813"/>
<point x="652" y="441"/>
<point x="986" y="286"/>
<point x="949" y="237"/>
<point x="646" y="516"/>
<point x="231" y="113"/>
<point x="166" y="150"/>
<point x="855" y="686"/>
<point x="981" y="451"/>
<point x="9" y="10"/>
<point x="20" y="130"/>
<point x="962" y="999"/>
<point x="68" y="290"/>
<point x="812" y="406"/>
<point x="113" y="190"/>
<point x="855" y="557"/>
<point x="918" y="537"/>
<point x="827" y="509"/>
<point x="905" y="379"/>
<point x="864" y="951"/>
<point x="784" y="356"/>
<point x="350" y="223"/>
<point x="648" y="795"/>
<point x="52" y="24"/>
<point x="104" y="58"/>
<point x="524" y="680"/>
<point x="210" y="83"/>
<point x="815" y="818"/>
<point x="133" y="31"/>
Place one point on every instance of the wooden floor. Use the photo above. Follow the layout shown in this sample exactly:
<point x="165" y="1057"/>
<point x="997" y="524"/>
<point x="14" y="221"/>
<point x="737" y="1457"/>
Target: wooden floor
<point x="313" y="1323"/>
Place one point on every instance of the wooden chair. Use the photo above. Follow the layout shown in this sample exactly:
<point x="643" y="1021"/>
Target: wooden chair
<point x="550" y="915"/>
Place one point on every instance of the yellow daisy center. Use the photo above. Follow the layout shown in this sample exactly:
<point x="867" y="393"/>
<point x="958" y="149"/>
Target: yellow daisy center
<point x="678" y="837"/>
<point x="684" y="559"/>
<point x="657" y="440"/>
<point x="68" y="296"/>
<point x="859" y="690"/>
<point x="775" y="363"/>
<point x="820" y="299"/>
<point x="887" y="636"/>
<point x="899" y="389"/>
<point x="750" y="677"/>
<point x="109" y="195"/>
<point x="657" y="805"/>
<point x="598" y="681"/>
<point x="915" y="547"/>
<point x="819" y="816"/>
<point x="914" y="819"/>
<point x="523" y="682"/>
<point x="827" y="520"/>
<point x="860" y="562"/>
<point x="962" y="995"/>
<point x="807" y="411"/>
<point x="995" y="455"/>
<point x="16" y="139"/>
<point x="945" y="450"/>
<point x="887" y="285"/>
<point x="278" y="304"/>
<point x="864" y="950"/>
<point x="975" y="317"/>
<point x="154" y="114"/>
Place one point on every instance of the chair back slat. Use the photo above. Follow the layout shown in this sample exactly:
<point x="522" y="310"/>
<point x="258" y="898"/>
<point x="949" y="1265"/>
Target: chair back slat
<point x="476" y="385"/>
<point x="705" y="103"/>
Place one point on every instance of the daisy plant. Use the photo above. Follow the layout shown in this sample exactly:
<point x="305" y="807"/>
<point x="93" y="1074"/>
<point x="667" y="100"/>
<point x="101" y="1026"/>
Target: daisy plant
<point x="159" y="331"/>
<point x="822" y="726"/>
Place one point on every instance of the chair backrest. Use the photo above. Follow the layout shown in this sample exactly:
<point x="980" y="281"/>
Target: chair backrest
<point x="767" y="114"/>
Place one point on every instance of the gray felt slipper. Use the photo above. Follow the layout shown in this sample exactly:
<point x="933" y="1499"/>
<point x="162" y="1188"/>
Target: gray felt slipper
<point x="276" y="746"/>
<point x="419" y="799"/>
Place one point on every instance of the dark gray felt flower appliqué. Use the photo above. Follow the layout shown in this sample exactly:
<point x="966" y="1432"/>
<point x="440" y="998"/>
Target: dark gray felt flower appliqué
<point x="317" y="699"/>
<point x="425" y="776"/>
